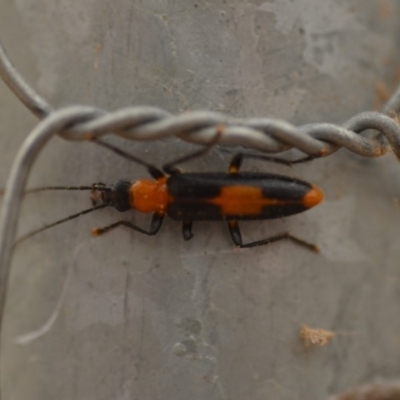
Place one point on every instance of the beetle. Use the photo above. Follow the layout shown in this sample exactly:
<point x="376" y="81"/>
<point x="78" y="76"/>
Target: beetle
<point x="201" y="196"/>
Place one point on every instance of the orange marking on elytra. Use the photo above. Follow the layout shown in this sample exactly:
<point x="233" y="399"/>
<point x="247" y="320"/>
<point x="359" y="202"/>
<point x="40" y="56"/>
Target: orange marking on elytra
<point x="239" y="200"/>
<point x="249" y="200"/>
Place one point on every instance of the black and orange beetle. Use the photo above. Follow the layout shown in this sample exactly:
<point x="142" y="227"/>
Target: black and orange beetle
<point x="202" y="196"/>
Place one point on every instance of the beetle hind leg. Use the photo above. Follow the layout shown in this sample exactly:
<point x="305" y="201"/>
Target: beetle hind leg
<point x="236" y="236"/>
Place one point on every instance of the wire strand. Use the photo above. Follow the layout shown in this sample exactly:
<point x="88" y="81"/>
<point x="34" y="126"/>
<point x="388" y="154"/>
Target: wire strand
<point x="264" y="134"/>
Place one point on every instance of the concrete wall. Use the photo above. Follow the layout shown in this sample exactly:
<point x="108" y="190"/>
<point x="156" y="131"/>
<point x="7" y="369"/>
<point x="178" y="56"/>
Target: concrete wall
<point x="131" y="317"/>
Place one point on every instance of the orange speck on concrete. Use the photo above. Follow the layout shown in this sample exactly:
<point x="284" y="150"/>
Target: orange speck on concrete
<point x="315" y="336"/>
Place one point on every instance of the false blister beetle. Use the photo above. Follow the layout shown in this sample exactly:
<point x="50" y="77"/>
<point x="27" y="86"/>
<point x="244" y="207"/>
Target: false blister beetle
<point x="201" y="196"/>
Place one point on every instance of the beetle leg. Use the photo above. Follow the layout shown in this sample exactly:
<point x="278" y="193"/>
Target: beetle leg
<point x="154" y="226"/>
<point x="170" y="168"/>
<point x="234" y="230"/>
<point x="153" y="171"/>
<point x="187" y="230"/>
<point x="237" y="238"/>
<point x="303" y="159"/>
<point x="237" y="160"/>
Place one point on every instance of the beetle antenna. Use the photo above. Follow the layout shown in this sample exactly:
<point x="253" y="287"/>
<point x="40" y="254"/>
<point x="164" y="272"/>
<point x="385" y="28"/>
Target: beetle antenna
<point x="44" y="188"/>
<point x="60" y="221"/>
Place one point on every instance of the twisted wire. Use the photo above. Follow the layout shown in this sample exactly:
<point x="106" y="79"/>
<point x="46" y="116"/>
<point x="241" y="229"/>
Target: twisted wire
<point x="264" y="134"/>
<point x="151" y="123"/>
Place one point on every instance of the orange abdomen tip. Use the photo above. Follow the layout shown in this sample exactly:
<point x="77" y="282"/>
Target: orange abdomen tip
<point x="313" y="197"/>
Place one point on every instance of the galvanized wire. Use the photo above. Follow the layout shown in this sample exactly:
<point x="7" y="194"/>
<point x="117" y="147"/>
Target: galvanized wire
<point x="21" y="88"/>
<point x="151" y="123"/>
<point x="265" y="134"/>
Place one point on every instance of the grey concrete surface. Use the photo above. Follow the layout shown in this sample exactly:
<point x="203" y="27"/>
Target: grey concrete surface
<point x="131" y="317"/>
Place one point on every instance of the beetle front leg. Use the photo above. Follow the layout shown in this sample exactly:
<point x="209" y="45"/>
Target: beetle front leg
<point x="155" y="226"/>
